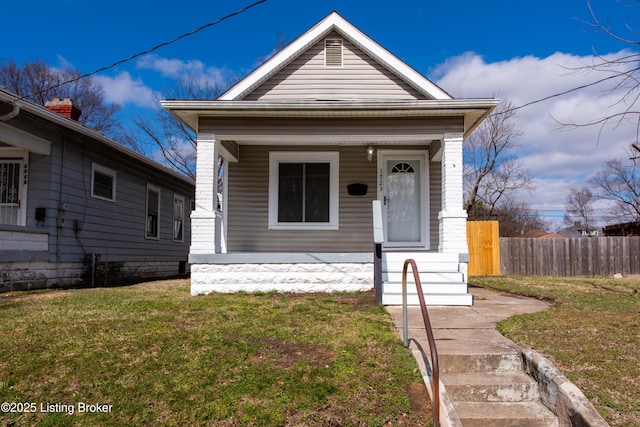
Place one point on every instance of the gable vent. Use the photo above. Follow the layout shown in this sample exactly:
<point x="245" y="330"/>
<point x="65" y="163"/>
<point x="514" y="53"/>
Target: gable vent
<point x="333" y="52"/>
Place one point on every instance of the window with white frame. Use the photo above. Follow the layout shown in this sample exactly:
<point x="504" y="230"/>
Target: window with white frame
<point x="178" y="218"/>
<point x="153" y="212"/>
<point x="303" y="190"/>
<point x="103" y="183"/>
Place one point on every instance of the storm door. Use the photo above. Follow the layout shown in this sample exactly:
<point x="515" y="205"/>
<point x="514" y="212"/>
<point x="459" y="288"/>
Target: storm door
<point x="403" y="201"/>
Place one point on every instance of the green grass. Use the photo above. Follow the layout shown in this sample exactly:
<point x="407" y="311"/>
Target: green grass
<point x="592" y="334"/>
<point x="162" y="357"/>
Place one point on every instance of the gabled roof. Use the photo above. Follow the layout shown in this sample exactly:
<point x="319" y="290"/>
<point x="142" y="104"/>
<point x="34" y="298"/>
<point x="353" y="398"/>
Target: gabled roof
<point x="334" y="22"/>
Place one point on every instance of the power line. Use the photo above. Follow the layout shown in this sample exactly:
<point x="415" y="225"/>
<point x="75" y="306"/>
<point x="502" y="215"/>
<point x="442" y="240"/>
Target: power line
<point x="122" y="61"/>
<point x="555" y="95"/>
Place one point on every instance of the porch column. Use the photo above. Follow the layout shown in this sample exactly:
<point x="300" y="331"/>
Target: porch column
<point x="203" y="218"/>
<point x="452" y="218"/>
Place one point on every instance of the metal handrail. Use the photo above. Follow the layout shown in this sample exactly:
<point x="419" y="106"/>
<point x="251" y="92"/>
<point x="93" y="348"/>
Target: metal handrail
<point x="435" y="369"/>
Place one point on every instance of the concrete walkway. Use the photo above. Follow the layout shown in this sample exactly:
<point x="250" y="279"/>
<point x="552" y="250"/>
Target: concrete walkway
<point x="485" y="378"/>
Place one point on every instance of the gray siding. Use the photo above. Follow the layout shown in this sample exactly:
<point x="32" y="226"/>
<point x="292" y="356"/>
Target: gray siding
<point x="247" y="224"/>
<point x="359" y="78"/>
<point x="113" y="230"/>
<point x="248" y="205"/>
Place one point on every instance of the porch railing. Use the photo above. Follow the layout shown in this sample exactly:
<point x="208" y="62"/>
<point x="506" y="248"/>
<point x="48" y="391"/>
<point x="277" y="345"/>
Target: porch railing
<point x="435" y="369"/>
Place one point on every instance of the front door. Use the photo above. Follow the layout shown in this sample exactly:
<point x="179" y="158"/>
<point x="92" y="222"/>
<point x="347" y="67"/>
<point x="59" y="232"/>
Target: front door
<point x="403" y="189"/>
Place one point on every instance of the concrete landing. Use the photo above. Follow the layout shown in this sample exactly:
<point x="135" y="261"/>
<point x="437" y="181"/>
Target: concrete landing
<point x="485" y="379"/>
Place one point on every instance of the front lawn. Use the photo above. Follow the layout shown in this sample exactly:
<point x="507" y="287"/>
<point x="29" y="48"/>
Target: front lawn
<point x="151" y="354"/>
<point x="592" y="334"/>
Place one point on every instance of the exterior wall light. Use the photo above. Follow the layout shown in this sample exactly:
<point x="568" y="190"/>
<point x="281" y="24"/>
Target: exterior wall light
<point x="369" y="153"/>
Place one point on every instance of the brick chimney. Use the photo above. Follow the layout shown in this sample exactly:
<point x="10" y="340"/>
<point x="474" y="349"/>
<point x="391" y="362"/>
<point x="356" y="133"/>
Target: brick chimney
<point x="65" y="108"/>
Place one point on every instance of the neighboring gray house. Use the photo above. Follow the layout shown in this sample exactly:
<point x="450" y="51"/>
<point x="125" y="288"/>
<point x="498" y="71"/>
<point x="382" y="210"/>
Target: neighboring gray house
<point x="578" y="229"/>
<point x="77" y="208"/>
<point x="311" y="138"/>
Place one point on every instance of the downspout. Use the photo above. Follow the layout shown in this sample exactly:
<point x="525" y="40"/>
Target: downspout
<point x="13" y="113"/>
<point x="60" y="218"/>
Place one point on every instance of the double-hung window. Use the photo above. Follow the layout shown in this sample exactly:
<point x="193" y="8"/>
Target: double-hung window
<point x="103" y="183"/>
<point x="303" y="190"/>
<point x="178" y="218"/>
<point x="153" y="212"/>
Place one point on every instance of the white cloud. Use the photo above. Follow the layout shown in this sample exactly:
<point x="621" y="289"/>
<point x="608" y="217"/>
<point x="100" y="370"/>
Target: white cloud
<point x="123" y="90"/>
<point x="64" y="64"/>
<point x="170" y="67"/>
<point x="559" y="157"/>
<point x="175" y="68"/>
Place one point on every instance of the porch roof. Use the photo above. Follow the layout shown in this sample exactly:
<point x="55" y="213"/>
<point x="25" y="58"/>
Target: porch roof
<point x="472" y="110"/>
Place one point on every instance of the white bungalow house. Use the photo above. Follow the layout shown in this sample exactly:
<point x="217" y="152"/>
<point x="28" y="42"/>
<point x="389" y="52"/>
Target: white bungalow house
<point x="310" y="138"/>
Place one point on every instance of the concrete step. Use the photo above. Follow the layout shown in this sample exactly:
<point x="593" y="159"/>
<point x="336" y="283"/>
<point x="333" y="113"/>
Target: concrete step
<point x="426" y="277"/>
<point x="425" y="261"/>
<point x="430" y="299"/>
<point x="430" y="288"/>
<point x="420" y="257"/>
<point x="489" y="363"/>
<point x="491" y="387"/>
<point x="506" y="414"/>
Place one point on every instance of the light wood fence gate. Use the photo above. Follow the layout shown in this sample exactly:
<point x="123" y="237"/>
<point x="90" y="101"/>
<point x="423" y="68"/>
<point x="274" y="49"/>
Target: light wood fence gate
<point x="484" y="248"/>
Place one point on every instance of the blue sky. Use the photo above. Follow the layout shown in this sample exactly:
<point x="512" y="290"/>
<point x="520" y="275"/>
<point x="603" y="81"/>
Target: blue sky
<point x="520" y="50"/>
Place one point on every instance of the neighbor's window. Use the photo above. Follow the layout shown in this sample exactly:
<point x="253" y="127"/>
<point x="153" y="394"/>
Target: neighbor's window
<point x="103" y="183"/>
<point x="303" y="190"/>
<point x="178" y="218"/>
<point x="10" y="189"/>
<point x="153" y="212"/>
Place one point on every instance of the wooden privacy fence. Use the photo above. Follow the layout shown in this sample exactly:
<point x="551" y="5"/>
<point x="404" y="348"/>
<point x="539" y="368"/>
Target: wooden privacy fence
<point x="484" y="248"/>
<point x="588" y="256"/>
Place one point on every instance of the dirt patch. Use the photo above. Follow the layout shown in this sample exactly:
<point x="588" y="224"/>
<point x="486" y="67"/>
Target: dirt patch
<point x="359" y="300"/>
<point x="284" y="354"/>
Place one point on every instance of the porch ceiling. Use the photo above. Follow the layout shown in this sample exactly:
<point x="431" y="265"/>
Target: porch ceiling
<point x="471" y="110"/>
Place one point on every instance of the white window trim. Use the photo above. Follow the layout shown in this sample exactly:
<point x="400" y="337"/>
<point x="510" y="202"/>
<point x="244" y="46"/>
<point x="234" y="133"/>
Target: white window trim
<point x="105" y="171"/>
<point x="175" y="198"/>
<point x="332" y="157"/>
<point x="146" y="211"/>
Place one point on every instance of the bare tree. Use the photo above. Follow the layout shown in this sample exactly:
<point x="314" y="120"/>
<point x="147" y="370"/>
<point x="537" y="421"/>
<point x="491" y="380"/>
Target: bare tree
<point x="579" y="206"/>
<point x="622" y="73"/>
<point x="619" y="182"/>
<point x="515" y="217"/>
<point x="491" y="171"/>
<point x="39" y="83"/>
<point x="176" y="141"/>
<point x="165" y="132"/>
